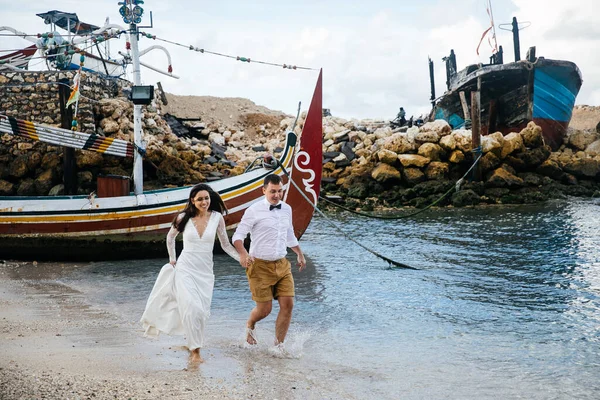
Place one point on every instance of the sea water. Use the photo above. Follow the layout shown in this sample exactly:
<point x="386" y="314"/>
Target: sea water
<point x="505" y="304"/>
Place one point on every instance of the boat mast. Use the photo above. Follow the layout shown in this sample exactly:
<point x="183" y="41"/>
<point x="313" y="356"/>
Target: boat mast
<point x="138" y="172"/>
<point x="132" y="15"/>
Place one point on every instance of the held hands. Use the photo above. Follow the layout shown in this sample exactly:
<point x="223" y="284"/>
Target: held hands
<point x="173" y="263"/>
<point x="301" y="262"/>
<point x="246" y="260"/>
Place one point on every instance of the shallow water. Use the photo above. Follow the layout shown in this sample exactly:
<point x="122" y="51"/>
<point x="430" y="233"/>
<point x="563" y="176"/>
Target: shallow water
<point x="505" y="304"/>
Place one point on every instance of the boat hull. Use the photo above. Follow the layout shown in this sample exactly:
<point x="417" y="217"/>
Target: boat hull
<point x="514" y="94"/>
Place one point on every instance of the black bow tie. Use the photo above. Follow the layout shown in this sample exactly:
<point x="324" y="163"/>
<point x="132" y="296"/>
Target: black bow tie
<point x="272" y="207"/>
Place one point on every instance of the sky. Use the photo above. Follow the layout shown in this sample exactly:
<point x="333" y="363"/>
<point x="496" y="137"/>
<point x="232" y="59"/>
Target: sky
<point x="374" y="54"/>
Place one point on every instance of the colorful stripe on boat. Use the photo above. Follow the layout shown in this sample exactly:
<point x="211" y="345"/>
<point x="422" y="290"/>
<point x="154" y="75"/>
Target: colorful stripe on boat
<point x="65" y="137"/>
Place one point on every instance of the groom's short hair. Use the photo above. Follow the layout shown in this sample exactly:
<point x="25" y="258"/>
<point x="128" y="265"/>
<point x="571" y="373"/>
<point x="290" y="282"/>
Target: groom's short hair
<point x="272" y="178"/>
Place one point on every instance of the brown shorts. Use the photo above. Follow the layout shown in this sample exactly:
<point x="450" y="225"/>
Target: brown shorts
<point x="270" y="279"/>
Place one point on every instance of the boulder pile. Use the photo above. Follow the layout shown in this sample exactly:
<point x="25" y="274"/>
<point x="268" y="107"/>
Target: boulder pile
<point x="370" y="165"/>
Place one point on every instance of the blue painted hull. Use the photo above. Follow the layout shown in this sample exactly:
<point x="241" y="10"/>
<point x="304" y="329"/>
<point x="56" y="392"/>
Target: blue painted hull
<point x="514" y="94"/>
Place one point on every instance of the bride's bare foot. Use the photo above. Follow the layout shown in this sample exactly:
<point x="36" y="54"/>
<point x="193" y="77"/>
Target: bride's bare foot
<point x="251" y="336"/>
<point x="195" y="357"/>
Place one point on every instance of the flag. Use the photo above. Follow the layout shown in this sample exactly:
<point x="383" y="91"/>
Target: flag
<point x="495" y="46"/>
<point x="74" y="97"/>
<point x="482" y="36"/>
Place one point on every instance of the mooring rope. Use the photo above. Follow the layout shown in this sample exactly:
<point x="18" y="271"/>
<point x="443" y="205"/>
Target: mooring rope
<point x="389" y="260"/>
<point x="454" y="187"/>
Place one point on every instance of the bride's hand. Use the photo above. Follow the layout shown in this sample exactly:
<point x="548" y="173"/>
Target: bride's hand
<point x="173" y="263"/>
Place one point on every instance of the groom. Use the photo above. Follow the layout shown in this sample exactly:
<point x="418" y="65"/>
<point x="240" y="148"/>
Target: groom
<point x="269" y="223"/>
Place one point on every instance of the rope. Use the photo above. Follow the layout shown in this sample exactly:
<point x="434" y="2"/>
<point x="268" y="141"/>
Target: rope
<point x="238" y="58"/>
<point x="389" y="260"/>
<point x="455" y="187"/>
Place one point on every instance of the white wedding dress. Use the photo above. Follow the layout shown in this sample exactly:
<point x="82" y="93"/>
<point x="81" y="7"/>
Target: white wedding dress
<point x="180" y="300"/>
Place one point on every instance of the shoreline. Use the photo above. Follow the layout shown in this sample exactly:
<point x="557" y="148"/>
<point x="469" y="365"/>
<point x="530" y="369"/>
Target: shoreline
<point x="56" y="345"/>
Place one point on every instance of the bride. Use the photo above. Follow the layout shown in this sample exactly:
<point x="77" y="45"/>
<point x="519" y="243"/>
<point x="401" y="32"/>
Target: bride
<point x="180" y="300"/>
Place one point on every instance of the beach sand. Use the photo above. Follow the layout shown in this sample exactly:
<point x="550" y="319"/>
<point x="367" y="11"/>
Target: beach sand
<point x="55" y="345"/>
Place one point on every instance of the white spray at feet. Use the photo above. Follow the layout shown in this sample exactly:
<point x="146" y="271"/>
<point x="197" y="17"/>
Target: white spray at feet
<point x="292" y="348"/>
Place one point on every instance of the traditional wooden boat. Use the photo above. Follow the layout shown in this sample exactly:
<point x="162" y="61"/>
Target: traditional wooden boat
<point x="59" y="51"/>
<point x="18" y="59"/>
<point x="513" y="94"/>
<point x="134" y="226"/>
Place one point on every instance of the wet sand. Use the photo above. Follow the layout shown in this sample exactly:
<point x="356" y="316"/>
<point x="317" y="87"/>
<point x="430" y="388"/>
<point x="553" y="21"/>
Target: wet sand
<point x="55" y="345"/>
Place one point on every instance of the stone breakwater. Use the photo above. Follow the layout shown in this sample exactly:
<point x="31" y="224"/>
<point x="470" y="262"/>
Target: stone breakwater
<point x="216" y="150"/>
<point x="372" y="166"/>
<point x="366" y="162"/>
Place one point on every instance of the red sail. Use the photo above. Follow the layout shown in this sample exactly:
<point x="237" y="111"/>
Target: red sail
<point x="308" y="163"/>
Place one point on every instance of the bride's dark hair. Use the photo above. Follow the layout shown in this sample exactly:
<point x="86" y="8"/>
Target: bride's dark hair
<point x="190" y="210"/>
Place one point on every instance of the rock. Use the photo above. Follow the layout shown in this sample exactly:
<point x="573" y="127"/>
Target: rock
<point x="489" y="162"/>
<point x="26" y="188"/>
<point x="512" y="142"/>
<point x="216" y="138"/>
<point x="437" y="170"/>
<point x="412" y="176"/>
<point x="18" y="168"/>
<point x="6" y="188"/>
<point x="581" y="139"/>
<point x="384" y="172"/>
<point x="348" y="151"/>
<point x="384" y="132"/>
<point x="429" y="188"/>
<point x="84" y="178"/>
<point x="398" y="143"/>
<point x="109" y="126"/>
<point x="172" y="171"/>
<point x="587" y="167"/>
<point x="457" y="156"/>
<point x="593" y="149"/>
<point x="44" y="182"/>
<point x="531" y="179"/>
<point x="496" y="193"/>
<point x="88" y="159"/>
<point x="490" y="144"/>
<point x="327" y="154"/>
<point x="427" y="137"/>
<point x="341" y="136"/>
<point x="550" y="169"/>
<point x="431" y="151"/>
<point x="57" y="190"/>
<point x="502" y="178"/>
<point x="465" y="198"/>
<point x="439" y="126"/>
<point x="448" y="143"/>
<point x="534" y="157"/>
<point x="358" y="191"/>
<point x="463" y="140"/>
<point x="387" y="156"/>
<point x="340" y="157"/>
<point x="532" y="135"/>
<point x="413" y="160"/>
<point x="33" y="160"/>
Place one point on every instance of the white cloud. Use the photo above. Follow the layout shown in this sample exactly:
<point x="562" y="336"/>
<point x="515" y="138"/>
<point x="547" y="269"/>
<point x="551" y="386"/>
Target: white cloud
<point x="373" y="54"/>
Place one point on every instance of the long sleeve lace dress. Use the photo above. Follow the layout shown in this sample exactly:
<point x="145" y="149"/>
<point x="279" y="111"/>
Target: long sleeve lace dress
<point x="181" y="297"/>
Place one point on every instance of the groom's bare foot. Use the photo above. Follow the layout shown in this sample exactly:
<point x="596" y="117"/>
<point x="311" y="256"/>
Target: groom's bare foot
<point x="195" y="357"/>
<point x="250" y="336"/>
